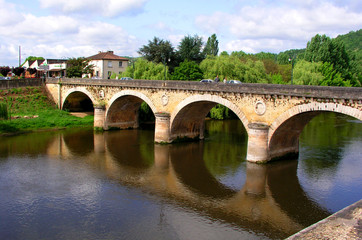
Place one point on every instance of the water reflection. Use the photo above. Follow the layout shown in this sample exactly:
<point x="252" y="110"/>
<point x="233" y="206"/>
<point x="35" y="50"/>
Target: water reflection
<point x="178" y="173"/>
<point x="93" y="179"/>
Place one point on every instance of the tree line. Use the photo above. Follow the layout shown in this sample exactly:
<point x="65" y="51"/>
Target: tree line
<point x="324" y="61"/>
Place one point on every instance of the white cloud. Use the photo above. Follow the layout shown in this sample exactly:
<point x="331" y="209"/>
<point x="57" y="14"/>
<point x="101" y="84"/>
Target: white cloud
<point x="107" y="8"/>
<point x="8" y="14"/>
<point x="62" y="37"/>
<point x="272" y="24"/>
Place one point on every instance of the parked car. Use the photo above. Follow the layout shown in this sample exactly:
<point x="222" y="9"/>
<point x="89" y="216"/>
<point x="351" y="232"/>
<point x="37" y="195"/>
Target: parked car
<point x="207" y="80"/>
<point x="126" y="78"/>
<point x="234" y="82"/>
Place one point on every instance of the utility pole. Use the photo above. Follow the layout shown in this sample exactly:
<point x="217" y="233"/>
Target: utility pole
<point x="19" y="56"/>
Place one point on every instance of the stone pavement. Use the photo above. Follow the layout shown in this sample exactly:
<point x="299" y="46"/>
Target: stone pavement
<point x="344" y="224"/>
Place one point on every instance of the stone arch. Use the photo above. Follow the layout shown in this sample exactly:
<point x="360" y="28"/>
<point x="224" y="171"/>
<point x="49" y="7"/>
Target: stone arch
<point x="122" y="109"/>
<point x="77" y="90"/>
<point x="187" y="120"/>
<point x="283" y="137"/>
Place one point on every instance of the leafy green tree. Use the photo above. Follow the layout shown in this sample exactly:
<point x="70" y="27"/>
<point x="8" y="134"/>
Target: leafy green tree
<point x="212" y="46"/>
<point x="157" y="50"/>
<point x="238" y="54"/>
<point x="187" y="70"/>
<point x="234" y="68"/>
<point x="323" y="49"/>
<point x="144" y="69"/>
<point x="190" y="48"/>
<point x="76" y="67"/>
<point x="286" y="56"/>
<point x="224" y="53"/>
<point x="332" y="77"/>
<point x="307" y="73"/>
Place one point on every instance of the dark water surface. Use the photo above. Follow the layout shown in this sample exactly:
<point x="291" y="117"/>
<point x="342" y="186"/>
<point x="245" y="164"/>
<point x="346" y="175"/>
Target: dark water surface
<point x="119" y="185"/>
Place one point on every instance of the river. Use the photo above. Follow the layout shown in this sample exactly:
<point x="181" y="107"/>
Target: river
<point x="77" y="184"/>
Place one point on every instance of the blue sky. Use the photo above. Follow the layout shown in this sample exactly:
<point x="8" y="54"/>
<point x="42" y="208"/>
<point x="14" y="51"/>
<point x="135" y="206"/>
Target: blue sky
<point x="81" y="28"/>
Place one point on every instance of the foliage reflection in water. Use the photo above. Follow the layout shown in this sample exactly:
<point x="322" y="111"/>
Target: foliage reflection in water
<point x="120" y="185"/>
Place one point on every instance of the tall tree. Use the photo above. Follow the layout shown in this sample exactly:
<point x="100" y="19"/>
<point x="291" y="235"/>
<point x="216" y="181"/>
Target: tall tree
<point x="76" y="67"/>
<point x="157" y="50"/>
<point x="188" y="71"/>
<point x="212" y="46"/>
<point x="324" y="49"/>
<point x="190" y="48"/>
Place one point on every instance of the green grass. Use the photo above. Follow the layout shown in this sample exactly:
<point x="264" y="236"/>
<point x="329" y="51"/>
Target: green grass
<point x="32" y="101"/>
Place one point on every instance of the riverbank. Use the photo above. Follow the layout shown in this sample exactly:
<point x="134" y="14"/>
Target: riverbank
<point x="31" y="110"/>
<point x="344" y="224"/>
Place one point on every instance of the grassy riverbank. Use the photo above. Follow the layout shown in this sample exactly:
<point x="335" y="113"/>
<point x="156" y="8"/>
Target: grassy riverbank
<point x="31" y="110"/>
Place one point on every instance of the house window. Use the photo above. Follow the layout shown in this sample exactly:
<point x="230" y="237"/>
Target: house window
<point x="97" y="73"/>
<point x="120" y="63"/>
<point x="109" y="64"/>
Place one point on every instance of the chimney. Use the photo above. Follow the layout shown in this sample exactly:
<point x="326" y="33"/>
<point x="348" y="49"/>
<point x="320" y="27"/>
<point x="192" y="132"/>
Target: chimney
<point x="110" y="52"/>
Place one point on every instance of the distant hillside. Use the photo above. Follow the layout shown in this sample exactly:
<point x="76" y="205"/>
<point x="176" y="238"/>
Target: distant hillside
<point x="353" y="42"/>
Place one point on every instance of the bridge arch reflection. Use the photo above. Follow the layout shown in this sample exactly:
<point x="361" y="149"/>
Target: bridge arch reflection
<point x="269" y="198"/>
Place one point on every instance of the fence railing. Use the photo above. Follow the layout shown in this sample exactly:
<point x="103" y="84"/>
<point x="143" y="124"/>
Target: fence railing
<point x="18" y="83"/>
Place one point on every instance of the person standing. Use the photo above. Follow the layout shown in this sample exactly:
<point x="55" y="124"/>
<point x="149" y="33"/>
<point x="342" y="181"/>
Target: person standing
<point x="217" y="78"/>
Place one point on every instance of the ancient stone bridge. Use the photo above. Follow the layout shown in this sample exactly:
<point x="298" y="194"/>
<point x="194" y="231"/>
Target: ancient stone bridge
<point x="273" y="115"/>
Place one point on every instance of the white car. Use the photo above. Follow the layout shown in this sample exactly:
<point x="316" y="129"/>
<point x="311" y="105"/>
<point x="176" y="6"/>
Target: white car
<point x="207" y="80"/>
<point x="234" y="82"/>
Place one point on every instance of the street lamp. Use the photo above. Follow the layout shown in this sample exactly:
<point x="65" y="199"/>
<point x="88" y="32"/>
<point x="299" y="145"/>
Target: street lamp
<point x="292" y="60"/>
<point x="165" y="60"/>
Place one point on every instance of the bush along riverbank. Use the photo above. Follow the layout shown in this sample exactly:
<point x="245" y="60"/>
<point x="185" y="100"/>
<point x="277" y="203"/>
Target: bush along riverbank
<point x="29" y="109"/>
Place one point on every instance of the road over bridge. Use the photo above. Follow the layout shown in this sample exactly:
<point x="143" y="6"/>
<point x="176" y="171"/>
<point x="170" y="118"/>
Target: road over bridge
<point x="273" y="115"/>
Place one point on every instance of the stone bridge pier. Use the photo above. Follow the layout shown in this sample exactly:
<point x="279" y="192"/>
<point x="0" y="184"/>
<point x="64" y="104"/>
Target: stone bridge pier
<point x="273" y="115"/>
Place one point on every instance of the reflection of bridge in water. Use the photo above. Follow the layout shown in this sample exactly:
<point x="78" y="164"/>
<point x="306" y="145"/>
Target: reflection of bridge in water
<point x="271" y="199"/>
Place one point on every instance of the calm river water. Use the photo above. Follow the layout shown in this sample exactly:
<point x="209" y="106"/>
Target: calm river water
<point x="75" y="184"/>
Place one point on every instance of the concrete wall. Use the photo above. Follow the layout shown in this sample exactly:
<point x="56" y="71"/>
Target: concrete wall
<point x="17" y="83"/>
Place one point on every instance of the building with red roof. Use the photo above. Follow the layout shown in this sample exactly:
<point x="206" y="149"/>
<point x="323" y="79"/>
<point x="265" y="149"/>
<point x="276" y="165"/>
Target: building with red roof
<point x="107" y="63"/>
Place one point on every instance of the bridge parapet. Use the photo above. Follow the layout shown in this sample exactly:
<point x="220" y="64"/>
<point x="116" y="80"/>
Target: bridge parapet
<point x="317" y="92"/>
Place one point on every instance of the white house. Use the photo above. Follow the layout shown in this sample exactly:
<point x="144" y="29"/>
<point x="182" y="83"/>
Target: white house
<point x="52" y="67"/>
<point x="107" y="63"/>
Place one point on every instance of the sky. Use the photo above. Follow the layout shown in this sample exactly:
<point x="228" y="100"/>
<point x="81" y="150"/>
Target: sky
<point x="81" y="28"/>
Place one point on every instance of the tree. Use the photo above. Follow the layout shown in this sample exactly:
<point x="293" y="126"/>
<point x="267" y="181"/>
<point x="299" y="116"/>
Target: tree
<point x="76" y="67"/>
<point x="190" y="48"/>
<point x="212" y="46"/>
<point x="187" y="70"/>
<point x="4" y="71"/>
<point x="323" y="49"/>
<point x="157" y="50"/>
<point x="307" y="73"/>
<point x="31" y="70"/>
<point x="234" y="68"/>
<point x="144" y="69"/>
<point x="18" y="71"/>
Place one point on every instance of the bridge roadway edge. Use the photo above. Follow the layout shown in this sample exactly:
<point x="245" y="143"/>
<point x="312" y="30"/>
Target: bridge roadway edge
<point x="344" y="224"/>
